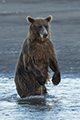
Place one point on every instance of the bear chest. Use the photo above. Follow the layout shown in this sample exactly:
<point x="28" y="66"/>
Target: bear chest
<point x="40" y="54"/>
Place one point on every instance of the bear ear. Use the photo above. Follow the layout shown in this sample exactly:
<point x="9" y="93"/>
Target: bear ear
<point x="30" y="20"/>
<point x="49" y="18"/>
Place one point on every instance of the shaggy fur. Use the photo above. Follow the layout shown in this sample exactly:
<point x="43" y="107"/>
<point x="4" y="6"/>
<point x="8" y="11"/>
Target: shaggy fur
<point x="36" y="56"/>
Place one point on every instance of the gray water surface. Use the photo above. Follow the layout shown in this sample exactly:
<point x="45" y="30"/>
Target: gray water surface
<point x="63" y="101"/>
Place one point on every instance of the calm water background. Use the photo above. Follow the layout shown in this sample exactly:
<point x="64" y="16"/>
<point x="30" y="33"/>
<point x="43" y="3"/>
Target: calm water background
<point x="63" y="101"/>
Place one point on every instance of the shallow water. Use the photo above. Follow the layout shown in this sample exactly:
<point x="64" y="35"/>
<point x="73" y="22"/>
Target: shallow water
<point x="63" y="101"/>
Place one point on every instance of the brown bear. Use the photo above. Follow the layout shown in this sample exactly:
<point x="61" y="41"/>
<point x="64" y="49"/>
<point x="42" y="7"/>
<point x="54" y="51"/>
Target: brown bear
<point x="36" y="56"/>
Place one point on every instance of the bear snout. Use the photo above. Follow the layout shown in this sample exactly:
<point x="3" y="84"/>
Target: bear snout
<point x="45" y="35"/>
<point x="43" y="32"/>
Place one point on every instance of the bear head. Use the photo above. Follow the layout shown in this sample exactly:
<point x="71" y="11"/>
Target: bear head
<point x="39" y="28"/>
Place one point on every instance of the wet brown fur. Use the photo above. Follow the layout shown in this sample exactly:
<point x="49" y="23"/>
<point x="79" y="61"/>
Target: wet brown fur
<point x="36" y="56"/>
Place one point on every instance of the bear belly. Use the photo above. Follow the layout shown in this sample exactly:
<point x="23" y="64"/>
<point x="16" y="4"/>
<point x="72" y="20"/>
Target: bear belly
<point x="42" y="65"/>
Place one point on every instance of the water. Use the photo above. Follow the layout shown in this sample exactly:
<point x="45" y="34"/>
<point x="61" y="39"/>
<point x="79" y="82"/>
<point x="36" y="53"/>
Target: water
<point x="64" y="105"/>
<point x="63" y="101"/>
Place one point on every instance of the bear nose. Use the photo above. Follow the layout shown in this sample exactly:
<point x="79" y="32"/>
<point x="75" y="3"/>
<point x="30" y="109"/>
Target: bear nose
<point x="45" y="35"/>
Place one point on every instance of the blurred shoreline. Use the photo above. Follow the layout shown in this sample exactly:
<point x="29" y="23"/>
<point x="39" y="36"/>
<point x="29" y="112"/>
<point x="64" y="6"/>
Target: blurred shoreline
<point x="65" y="32"/>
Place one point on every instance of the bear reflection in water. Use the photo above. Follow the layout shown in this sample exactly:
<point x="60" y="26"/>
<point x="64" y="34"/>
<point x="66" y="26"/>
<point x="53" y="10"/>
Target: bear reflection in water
<point x="37" y="55"/>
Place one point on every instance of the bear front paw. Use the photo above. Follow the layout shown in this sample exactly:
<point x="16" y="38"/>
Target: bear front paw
<point x="56" y="78"/>
<point x="41" y="80"/>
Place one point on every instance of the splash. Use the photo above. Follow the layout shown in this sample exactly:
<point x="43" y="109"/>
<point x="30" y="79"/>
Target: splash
<point x="41" y="90"/>
<point x="55" y="90"/>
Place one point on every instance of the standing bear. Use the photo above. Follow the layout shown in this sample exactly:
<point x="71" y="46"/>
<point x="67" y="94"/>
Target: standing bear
<point x="36" y="56"/>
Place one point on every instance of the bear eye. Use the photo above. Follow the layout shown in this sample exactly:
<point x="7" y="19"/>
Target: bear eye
<point x="46" y="26"/>
<point x="40" y="26"/>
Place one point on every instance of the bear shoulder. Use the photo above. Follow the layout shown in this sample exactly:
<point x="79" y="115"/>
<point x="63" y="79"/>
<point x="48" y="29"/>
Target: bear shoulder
<point x="25" y="47"/>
